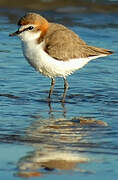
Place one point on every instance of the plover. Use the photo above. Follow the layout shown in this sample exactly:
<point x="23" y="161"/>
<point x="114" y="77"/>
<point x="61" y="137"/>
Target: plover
<point x="53" y="49"/>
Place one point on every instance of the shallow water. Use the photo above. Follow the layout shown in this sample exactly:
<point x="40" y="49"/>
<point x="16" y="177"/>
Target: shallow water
<point x="56" y="140"/>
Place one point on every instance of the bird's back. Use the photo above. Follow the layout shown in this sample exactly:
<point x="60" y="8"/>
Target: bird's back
<point x="64" y="44"/>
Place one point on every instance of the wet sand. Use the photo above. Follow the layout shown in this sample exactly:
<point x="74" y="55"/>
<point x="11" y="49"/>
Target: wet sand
<point x="95" y="6"/>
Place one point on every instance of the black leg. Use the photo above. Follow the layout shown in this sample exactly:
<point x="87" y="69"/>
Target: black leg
<point x="51" y="88"/>
<point x="65" y="89"/>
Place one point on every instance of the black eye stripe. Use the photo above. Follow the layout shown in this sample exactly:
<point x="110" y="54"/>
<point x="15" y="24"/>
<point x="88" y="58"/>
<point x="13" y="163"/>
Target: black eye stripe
<point x="28" y="28"/>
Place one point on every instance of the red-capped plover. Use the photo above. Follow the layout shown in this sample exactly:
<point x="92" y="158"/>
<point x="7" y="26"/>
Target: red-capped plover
<point x="54" y="50"/>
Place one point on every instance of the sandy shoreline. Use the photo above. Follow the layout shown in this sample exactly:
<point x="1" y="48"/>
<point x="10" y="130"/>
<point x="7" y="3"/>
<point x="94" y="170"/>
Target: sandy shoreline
<point x="55" y="4"/>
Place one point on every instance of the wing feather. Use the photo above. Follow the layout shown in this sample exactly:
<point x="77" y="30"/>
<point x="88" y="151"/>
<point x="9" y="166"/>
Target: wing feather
<point x="64" y="44"/>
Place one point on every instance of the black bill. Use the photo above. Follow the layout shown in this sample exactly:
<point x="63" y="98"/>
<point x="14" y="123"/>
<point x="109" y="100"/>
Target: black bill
<point x="15" y="33"/>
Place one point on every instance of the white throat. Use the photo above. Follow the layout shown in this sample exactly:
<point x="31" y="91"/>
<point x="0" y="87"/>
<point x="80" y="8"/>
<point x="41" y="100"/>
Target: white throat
<point x="27" y="36"/>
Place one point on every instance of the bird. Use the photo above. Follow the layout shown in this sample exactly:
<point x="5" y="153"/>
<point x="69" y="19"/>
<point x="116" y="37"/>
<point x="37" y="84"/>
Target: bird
<point x="53" y="49"/>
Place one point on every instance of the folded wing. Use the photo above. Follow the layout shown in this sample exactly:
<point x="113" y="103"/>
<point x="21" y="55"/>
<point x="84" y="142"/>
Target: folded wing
<point x="64" y="44"/>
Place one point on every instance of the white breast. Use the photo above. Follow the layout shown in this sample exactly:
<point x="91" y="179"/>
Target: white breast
<point x="49" y="66"/>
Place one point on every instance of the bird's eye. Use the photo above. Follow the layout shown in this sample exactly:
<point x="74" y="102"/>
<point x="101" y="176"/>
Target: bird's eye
<point x="30" y="27"/>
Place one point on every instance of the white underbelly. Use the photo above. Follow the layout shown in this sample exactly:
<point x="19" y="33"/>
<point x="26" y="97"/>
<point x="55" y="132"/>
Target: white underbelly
<point x="51" y="67"/>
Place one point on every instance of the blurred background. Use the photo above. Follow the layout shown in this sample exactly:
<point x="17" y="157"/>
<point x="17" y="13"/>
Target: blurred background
<point x="57" y="140"/>
<point x="89" y="5"/>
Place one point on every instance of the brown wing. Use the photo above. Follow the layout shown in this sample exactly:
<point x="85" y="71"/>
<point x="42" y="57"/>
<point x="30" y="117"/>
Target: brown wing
<point x="64" y="44"/>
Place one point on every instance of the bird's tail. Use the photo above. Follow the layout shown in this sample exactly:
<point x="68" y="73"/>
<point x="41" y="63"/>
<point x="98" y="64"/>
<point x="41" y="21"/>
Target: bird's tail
<point x="101" y="51"/>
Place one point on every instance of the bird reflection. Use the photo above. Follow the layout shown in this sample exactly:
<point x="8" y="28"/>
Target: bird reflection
<point x="51" y="110"/>
<point x="60" y="144"/>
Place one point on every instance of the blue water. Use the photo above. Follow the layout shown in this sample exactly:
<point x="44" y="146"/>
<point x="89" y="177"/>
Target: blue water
<point x="48" y="139"/>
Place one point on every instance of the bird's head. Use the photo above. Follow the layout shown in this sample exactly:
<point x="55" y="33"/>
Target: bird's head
<point x="31" y="27"/>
